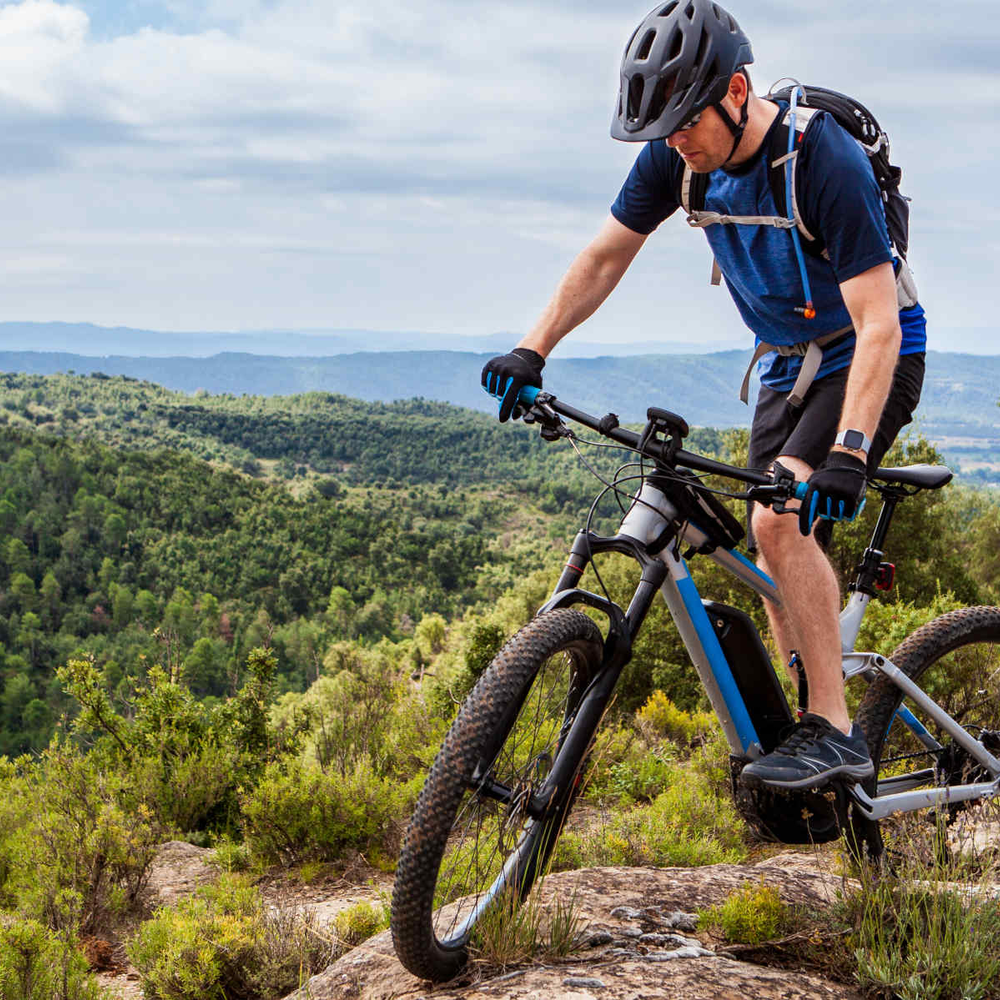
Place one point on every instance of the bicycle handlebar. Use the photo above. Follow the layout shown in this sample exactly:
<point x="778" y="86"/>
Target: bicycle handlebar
<point x="528" y="397"/>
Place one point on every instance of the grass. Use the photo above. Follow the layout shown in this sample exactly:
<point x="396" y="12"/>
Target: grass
<point x="513" y="933"/>
<point x="920" y="934"/>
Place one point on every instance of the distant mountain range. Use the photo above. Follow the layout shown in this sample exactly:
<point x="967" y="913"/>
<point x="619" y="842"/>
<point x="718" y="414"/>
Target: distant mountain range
<point x="128" y="342"/>
<point x="960" y="391"/>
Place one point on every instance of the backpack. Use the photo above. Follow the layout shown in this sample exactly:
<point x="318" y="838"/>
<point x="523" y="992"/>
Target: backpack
<point x="858" y="122"/>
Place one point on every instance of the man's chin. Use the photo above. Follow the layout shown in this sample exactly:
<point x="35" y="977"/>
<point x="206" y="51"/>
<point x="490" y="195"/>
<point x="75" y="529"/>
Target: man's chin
<point x="697" y="163"/>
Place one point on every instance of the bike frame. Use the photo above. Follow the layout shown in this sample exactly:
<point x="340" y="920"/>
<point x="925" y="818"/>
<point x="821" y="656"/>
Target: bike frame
<point x="648" y="534"/>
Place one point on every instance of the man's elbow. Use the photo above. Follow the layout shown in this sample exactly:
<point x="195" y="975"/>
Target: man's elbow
<point x="884" y="336"/>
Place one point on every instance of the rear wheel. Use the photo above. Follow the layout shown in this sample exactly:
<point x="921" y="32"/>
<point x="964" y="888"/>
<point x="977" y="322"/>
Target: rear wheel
<point x="956" y="661"/>
<point x="471" y="839"/>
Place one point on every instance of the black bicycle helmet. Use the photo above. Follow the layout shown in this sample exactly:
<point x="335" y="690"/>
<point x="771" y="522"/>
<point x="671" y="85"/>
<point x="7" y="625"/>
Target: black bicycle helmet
<point x="678" y="62"/>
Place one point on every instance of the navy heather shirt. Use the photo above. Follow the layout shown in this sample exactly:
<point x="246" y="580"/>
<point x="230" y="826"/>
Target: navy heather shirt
<point x="839" y="199"/>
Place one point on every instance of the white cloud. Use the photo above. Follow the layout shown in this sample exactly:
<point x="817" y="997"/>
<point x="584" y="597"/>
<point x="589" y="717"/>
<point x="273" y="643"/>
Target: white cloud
<point x="430" y="165"/>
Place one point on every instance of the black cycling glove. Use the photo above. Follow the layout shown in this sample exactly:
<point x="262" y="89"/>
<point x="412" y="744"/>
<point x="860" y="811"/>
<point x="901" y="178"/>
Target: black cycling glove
<point x="504" y="377"/>
<point x="835" y="491"/>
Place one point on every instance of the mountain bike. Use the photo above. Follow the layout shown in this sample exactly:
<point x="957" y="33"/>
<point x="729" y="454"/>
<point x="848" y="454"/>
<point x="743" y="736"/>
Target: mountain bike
<point x="512" y="764"/>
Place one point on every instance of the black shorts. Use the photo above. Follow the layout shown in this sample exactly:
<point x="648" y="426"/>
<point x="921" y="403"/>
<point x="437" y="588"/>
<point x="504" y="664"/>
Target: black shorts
<point x="807" y="431"/>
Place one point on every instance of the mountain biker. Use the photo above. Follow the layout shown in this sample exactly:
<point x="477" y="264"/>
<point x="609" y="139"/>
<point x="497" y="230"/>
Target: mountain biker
<point x="685" y="92"/>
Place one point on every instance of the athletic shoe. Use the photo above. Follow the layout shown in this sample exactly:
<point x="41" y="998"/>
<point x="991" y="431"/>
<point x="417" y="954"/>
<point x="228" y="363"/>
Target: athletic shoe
<point x="815" y="753"/>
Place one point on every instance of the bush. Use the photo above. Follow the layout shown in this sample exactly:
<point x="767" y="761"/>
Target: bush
<point x="300" y="814"/>
<point x="751" y="914"/>
<point x="692" y="822"/>
<point x="81" y="858"/>
<point x="659" y="716"/>
<point x="360" y="922"/>
<point x="36" y="963"/>
<point x="225" y="942"/>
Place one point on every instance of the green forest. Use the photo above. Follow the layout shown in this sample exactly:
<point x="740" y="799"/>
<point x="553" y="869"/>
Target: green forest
<point x="247" y="621"/>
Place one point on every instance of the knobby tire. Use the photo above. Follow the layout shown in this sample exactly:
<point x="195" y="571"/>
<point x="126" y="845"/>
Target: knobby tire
<point x="460" y="839"/>
<point x="956" y="660"/>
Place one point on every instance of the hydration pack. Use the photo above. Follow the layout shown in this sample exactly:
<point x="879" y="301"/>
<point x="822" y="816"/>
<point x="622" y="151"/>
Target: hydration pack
<point x="782" y="157"/>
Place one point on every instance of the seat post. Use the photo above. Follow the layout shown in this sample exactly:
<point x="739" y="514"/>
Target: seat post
<point x="868" y="569"/>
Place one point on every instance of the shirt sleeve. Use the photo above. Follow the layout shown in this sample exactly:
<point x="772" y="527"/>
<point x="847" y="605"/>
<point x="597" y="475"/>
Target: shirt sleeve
<point x="649" y="194"/>
<point x="841" y="201"/>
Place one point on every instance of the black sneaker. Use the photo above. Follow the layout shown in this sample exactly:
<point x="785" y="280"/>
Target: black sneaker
<point x="815" y="753"/>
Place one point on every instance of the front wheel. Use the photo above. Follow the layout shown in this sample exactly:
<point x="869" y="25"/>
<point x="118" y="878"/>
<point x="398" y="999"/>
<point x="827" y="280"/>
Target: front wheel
<point x="471" y="839"/>
<point x="956" y="661"/>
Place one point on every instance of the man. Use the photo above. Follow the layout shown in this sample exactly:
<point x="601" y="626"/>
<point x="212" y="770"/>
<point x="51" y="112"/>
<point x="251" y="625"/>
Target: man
<point x="686" y="94"/>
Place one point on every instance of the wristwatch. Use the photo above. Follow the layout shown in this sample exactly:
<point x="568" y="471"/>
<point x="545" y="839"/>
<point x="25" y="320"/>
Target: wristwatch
<point x="852" y="440"/>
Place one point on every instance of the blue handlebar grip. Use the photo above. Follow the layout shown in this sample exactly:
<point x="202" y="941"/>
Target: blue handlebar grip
<point x="528" y="394"/>
<point x="800" y="491"/>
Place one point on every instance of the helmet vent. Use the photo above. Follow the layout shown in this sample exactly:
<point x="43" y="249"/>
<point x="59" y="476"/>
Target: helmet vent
<point x="647" y="44"/>
<point x="689" y="12"/>
<point x="635" y="88"/>
<point x="661" y="95"/>
<point x="699" y="60"/>
<point x="676" y="44"/>
<point x="669" y="8"/>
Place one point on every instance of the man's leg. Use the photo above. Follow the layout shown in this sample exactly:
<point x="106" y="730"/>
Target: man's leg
<point x="824" y="745"/>
<point x="808" y="619"/>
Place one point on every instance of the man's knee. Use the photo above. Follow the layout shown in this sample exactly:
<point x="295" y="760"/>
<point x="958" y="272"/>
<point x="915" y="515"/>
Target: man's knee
<point x="775" y="532"/>
<point x="771" y="531"/>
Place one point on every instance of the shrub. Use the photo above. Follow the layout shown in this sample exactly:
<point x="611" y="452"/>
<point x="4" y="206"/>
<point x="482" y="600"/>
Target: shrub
<point x="751" y="914"/>
<point x="36" y="963"/>
<point x="300" y="814"/>
<point x="659" y="716"/>
<point x="692" y="822"/>
<point x="82" y="858"/>
<point x="230" y="856"/>
<point x="360" y="922"/>
<point x="225" y="942"/>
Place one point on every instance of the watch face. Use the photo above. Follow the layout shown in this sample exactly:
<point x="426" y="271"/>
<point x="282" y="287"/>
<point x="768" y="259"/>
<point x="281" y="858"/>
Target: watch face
<point x="854" y="440"/>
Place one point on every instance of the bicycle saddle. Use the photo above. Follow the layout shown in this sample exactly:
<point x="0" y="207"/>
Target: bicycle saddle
<point x="924" y="477"/>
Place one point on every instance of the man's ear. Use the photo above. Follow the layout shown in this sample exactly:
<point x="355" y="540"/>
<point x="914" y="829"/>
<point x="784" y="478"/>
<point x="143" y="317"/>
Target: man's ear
<point x="738" y="88"/>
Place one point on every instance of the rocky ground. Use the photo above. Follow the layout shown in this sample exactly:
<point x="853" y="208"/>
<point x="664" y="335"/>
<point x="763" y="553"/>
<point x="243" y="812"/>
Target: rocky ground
<point x="639" y="941"/>
<point x="637" y="931"/>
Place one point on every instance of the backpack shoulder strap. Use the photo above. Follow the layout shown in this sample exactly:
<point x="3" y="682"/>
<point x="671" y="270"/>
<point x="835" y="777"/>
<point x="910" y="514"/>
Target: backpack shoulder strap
<point x="778" y="157"/>
<point x="692" y="192"/>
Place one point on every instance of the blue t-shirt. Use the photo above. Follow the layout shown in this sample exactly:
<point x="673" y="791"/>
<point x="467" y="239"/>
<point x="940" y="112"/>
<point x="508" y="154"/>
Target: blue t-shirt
<point x="838" y="197"/>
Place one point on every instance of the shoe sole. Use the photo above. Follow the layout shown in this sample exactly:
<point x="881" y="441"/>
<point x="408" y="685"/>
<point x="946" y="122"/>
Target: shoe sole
<point x="858" y="772"/>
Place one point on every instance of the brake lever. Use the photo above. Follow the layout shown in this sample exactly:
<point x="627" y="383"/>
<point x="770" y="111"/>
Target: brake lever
<point x="785" y="487"/>
<point x="551" y="426"/>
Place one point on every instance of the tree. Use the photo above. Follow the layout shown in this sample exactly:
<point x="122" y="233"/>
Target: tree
<point x="23" y="589"/>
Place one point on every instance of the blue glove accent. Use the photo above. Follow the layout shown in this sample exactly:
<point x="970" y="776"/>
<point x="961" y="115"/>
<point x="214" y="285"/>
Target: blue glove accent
<point x="834" y="492"/>
<point x="505" y="376"/>
<point x="502" y="396"/>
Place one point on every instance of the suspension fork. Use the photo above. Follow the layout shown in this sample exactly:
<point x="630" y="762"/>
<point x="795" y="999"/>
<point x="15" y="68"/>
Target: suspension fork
<point x="622" y="628"/>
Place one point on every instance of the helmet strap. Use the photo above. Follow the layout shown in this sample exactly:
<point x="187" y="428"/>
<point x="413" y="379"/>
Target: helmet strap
<point x="736" y="128"/>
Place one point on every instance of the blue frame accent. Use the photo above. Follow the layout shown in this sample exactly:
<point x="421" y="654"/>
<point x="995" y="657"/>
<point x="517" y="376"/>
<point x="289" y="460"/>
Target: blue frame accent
<point x="717" y="660"/>
<point x="910" y="721"/>
<point x="746" y="562"/>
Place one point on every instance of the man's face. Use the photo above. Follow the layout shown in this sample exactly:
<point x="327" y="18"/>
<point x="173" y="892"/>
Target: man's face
<point x="703" y="147"/>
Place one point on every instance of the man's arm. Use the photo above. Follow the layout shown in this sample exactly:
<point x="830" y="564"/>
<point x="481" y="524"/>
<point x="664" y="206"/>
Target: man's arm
<point x="870" y="298"/>
<point x="589" y="281"/>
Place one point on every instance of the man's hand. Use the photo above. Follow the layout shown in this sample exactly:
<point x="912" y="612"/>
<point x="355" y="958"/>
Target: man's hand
<point x="504" y="377"/>
<point x="835" y="490"/>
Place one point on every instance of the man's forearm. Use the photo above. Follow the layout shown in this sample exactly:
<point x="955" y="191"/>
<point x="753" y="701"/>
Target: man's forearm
<point x="589" y="281"/>
<point x="875" y="355"/>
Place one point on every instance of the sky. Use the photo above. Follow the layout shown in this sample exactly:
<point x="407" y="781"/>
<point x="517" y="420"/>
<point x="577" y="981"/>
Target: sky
<point x="435" y="165"/>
